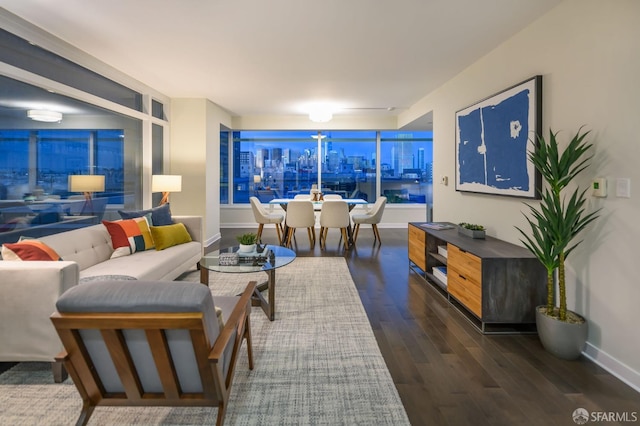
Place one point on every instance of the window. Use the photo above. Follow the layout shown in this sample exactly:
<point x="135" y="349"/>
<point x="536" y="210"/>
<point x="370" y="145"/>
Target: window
<point x="281" y="164"/>
<point x="157" y="109"/>
<point x="406" y="160"/>
<point x="273" y="164"/>
<point x="36" y="158"/>
<point x="224" y="167"/>
<point x="58" y="154"/>
<point x="349" y="164"/>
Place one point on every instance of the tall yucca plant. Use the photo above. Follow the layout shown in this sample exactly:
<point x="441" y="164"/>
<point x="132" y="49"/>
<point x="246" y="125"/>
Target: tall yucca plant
<point x="556" y="222"/>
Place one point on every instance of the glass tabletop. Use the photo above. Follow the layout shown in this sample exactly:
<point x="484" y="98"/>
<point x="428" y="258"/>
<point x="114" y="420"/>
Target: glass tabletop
<point x="283" y="256"/>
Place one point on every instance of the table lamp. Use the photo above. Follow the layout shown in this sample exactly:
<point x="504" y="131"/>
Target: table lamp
<point x="166" y="184"/>
<point x="87" y="184"/>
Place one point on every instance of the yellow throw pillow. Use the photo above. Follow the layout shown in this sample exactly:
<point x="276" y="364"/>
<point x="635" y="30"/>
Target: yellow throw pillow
<point x="169" y="235"/>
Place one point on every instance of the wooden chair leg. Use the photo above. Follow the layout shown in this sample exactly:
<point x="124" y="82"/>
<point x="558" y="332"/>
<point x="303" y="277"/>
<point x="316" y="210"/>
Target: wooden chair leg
<point x="222" y="410"/>
<point x="260" y="227"/>
<point x="279" y="231"/>
<point x="247" y="336"/>
<point x="376" y="234"/>
<point x="355" y="233"/>
<point x="313" y="233"/>
<point x="289" y="236"/>
<point x="345" y="238"/>
<point x="321" y="237"/>
<point x="87" y="411"/>
<point x="311" y="240"/>
<point x="59" y="372"/>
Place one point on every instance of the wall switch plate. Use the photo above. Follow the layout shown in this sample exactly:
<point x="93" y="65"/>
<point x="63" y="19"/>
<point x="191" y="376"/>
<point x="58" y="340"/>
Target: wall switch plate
<point x="599" y="187"/>
<point x="623" y="187"/>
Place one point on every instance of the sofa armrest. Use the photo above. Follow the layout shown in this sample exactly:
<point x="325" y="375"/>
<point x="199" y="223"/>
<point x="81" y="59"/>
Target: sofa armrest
<point x="29" y="291"/>
<point x="193" y="225"/>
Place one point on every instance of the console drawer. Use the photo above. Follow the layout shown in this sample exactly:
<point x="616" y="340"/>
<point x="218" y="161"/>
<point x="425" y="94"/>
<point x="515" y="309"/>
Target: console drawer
<point x="417" y="242"/>
<point x="467" y="265"/>
<point x="467" y="292"/>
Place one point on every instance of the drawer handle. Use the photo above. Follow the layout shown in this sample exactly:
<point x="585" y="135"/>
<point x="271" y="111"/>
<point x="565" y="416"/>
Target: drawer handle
<point x="462" y="276"/>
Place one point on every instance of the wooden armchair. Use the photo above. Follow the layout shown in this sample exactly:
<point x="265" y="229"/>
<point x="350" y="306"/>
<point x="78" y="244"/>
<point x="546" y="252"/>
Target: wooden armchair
<point x="152" y="343"/>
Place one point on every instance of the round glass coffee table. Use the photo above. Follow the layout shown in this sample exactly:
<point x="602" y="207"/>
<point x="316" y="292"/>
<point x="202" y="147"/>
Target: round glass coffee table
<point x="251" y="263"/>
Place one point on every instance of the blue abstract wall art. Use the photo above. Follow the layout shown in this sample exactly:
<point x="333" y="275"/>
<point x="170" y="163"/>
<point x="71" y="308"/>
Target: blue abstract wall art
<point x="493" y="139"/>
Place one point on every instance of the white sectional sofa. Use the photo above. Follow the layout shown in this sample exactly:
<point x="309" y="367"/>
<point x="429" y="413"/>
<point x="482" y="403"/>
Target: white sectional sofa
<point x="30" y="289"/>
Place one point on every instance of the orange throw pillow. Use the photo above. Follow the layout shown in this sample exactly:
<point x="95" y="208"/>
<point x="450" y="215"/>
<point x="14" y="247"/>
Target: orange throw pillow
<point x="28" y="250"/>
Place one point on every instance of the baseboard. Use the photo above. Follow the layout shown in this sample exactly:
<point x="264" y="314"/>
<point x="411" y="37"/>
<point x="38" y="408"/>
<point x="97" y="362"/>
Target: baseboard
<point x="613" y="366"/>
<point x="213" y="239"/>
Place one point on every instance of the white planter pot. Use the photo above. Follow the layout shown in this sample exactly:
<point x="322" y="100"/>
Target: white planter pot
<point x="247" y="248"/>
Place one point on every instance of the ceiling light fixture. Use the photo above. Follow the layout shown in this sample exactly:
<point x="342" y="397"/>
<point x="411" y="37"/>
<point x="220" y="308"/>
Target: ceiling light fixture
<point x="321" y="114"/>
<point x="44" y="115"/>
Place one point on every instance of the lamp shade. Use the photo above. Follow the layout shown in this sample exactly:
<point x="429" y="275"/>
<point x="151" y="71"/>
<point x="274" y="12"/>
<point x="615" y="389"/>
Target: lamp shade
<point x="257" y="179"/>
<point x="86" y="183"/>
<point x="166" y="183"/>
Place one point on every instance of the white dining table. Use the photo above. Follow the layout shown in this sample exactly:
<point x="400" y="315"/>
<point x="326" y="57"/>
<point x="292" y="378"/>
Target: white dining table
<point x="317" y="205"/>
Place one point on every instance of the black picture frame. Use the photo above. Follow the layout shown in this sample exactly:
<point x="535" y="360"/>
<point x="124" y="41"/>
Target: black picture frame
<point x="494" y="137"/>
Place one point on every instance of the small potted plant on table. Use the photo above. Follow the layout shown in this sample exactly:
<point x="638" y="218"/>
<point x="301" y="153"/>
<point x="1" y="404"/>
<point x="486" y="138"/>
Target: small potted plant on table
<point x="247" y="242"/>
<point x="471" y="230"/>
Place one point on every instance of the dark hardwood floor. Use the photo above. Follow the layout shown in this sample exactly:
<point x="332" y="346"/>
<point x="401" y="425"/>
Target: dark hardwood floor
<point x="446" y="372"/>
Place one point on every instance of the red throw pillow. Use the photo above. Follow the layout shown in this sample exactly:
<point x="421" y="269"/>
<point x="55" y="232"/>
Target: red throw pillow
<point x="28" y="250"/>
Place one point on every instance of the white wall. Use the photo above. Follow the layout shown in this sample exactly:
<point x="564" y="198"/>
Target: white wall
<point x="588" y="54"/>
<point x="195" y="154"/>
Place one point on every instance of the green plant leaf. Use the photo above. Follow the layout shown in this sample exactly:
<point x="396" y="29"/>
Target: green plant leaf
<point x="557" y="221"/>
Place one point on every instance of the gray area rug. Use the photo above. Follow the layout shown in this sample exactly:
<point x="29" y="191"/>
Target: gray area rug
<point x="318" y="363"/>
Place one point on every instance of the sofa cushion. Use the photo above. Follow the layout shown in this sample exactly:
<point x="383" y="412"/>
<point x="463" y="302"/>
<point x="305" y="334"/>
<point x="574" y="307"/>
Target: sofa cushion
<point x="87" y="246"/>
<point x="129" y="236"/>
<point x="160" y="215"/>
<point x="29" y="249"/>
<point x="149" y="264"/>
<point x="170" y="235"/>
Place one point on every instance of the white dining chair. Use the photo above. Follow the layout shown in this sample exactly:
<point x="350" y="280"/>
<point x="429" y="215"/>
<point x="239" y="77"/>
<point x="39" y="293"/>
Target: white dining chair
<point x="300" y="215"/>
<point x="372" y="217"/>
<point x="302" y="197"/>
<point x="332" y="197"/>
<point x="262" y="217"/>
<point x="334" y="214"/>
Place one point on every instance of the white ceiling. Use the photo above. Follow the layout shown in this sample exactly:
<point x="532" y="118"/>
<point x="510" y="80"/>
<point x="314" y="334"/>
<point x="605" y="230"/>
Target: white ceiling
<point x="277" y="57"/>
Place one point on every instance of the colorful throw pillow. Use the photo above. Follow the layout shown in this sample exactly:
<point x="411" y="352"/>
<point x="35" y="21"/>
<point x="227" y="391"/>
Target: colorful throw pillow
<point x="129" y="236"/>
<point x="28" y="250"/>
<point x="170" y="235"/>
<point x="160" y="216"/>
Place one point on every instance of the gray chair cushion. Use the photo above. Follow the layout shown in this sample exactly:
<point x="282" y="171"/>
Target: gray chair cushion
<point x="138" y="297"/>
